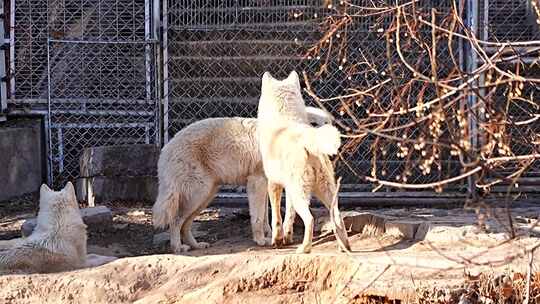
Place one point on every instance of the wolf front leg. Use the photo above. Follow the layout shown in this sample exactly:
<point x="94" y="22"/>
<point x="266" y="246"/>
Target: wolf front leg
<point x="274" y="192"/>
<point x="258" y="206"/>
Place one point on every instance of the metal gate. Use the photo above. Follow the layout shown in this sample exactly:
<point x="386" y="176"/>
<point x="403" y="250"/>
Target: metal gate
<point x="102" y="79"/>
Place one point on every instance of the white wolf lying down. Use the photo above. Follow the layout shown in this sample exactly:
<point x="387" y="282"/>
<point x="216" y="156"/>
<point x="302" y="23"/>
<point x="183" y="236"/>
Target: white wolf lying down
<point x="200" y="158"/>
<point x="295" y="157"/>
<point x="58" y="242"/>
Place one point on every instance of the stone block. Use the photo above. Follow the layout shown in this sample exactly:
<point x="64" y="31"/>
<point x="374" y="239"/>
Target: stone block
<point x="127" y="160"/>
<point x="375" y="226"/>
<point x="20" y="158"/>
<point x="357" y="222"/>
<point x="120" y="188"/>
<point x="422" y="231"/>
<point x="99" y="216"/>
<point x="402" y="229"/>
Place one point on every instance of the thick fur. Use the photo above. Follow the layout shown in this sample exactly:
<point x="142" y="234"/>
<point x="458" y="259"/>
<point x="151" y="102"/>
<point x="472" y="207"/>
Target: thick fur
<point x="295" y="158"/>
<point x="200" y="158"/>
<point x="58" y="242"/>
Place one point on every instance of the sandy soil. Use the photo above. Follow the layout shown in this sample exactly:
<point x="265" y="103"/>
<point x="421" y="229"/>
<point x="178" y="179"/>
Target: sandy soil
<point x="235" y="270"/>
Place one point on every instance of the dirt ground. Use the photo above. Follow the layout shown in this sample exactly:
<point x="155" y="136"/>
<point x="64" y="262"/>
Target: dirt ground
<point x="234" y="270"/>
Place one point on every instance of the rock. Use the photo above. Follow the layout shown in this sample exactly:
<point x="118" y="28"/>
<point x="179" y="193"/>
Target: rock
<point x="28" y="226"/>
<point x="127" y="160"/>
<point x="357" y="222"/>
<point x="161" y="239"/>
<point x="422" y="231"/>
<point x="120" y="226"/>
<point x="375" y="226"/>
<point x="121" y="188"/>
<point x="99" y="216"/>
<point x="402" y="229"/>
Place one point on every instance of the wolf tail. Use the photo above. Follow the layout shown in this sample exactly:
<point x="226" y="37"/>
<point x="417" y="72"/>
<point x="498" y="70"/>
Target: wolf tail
<point x="318" y="116"/>
<point x="165" y="209"/>
<point x="322" y="140"/>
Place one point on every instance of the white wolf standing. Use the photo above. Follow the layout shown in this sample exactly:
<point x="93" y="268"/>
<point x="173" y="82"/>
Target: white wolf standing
<point x="200" y="158"/>
<point x="295" y="157"/>
<point x="58" y="242"/>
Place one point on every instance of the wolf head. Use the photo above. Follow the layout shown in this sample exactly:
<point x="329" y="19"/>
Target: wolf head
<point x="58" y="207"/>
<point x="65" y="198"/>
<point x="282" y="98"/>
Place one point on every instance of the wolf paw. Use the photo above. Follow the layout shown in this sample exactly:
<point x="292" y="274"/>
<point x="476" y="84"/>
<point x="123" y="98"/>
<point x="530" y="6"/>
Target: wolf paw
<point x="181" y="248"/>
<point x="288" y="239"/>
<point x="303" y="249"/>
<point x="277" y="241"/>
<point x="267" y="230"/>
<point x="264" y="242"/>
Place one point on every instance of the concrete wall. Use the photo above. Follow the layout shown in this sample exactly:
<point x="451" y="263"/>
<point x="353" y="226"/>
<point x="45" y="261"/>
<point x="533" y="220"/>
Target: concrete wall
<point x="21" y="158"/>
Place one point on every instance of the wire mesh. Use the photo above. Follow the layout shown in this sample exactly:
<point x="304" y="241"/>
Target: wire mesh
<point x="93" y="64"/>
<point x="218" y="51"/>
<point x="98" y="96"/>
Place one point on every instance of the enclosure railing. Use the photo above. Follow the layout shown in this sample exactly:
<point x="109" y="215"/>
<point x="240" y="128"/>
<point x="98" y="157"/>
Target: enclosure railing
<point x="137" y="71"/>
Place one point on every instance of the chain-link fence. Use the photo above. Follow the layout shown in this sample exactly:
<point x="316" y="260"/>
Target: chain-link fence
<point x="93" y="68"/>
<point x="218" y="50"/>
<point x="503" y="21"/>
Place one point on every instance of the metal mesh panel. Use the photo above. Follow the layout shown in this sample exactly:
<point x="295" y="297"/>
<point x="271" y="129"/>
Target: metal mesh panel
<point x="91" y="65"/>
<point x="218" y="51"/>
<point x="99" y="95"/>
<point x="509" y="20"/>
<point x="512" y="103"/>
<point x="30" y="53"/>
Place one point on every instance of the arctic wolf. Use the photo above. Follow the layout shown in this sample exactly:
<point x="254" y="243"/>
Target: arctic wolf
<point x="200" y="158"/>
<point x="295" y="157"/>
<point x="58" y="242"/>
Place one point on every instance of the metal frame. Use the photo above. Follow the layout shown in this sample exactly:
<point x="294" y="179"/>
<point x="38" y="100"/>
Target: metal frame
<point x="471" y="65"/>
<point x="3" y="79"/>
<point x="165" y="64"/>
<point x="160" y="20"/>
<point x="119" y="113"/>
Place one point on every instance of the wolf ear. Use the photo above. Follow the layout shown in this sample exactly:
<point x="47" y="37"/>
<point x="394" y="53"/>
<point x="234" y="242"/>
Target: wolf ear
<point x="69" y="188"/>
<point x="44" y="189"/>
<point x="293" y="78"/>
<point x="267" y="80"/>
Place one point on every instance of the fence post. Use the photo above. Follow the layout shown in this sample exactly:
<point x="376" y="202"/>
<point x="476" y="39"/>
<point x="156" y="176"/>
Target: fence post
<point x="471" y="64"/>
<point x="3" y="79"/>
<point x="165" y="67"/>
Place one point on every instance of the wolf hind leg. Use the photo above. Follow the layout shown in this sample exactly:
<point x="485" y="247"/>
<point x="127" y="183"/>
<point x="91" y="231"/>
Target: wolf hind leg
<point x="290" y="215"/>
<point x="274" y="192"/>
<point x="300" y="200"/>
<point x="198" y="202"/>
<point x="175" y="236"/>
<point x="258" y="208"/>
